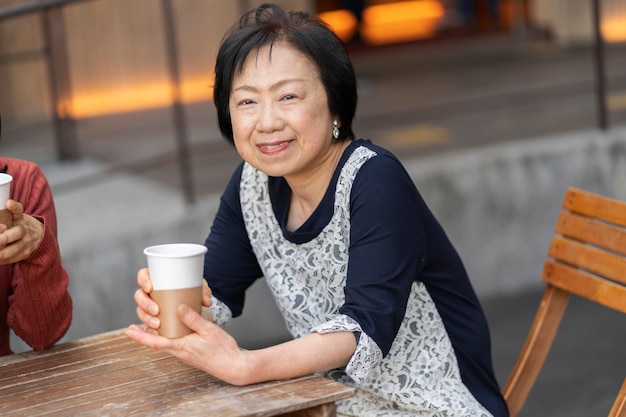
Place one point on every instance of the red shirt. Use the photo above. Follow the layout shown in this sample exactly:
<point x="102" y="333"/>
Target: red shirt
<point x="34" y="299"/>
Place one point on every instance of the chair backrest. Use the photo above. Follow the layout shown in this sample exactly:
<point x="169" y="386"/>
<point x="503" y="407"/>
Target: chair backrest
<point x="587" y="257"/>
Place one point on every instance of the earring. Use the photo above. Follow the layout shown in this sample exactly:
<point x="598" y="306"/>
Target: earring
<point x="335" y="130"/>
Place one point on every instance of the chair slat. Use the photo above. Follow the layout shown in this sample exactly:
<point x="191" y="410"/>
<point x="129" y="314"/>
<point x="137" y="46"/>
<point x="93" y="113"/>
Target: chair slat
<point x="586" y="285"/>
<point x="594" y="205"/>
<point x="592" y="231"/>
<point x="589" y="258"/>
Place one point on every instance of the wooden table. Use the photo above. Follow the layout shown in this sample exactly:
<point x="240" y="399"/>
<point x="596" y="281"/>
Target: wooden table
<point x="110" y="375"/>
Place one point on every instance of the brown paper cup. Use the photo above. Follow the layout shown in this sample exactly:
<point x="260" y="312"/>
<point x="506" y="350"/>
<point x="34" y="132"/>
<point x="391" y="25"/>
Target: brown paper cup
<point x="168" y="301"/>
<point x="176" y="274"/>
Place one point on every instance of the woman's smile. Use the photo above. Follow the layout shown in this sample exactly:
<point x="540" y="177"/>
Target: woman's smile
<point x="273" y="148"/>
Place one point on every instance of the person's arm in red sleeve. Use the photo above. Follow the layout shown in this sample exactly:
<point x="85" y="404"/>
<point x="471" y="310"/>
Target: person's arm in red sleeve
<point x="40" y="307"/>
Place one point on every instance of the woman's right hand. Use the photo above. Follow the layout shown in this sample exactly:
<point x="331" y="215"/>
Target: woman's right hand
<point x="148" y="309"/>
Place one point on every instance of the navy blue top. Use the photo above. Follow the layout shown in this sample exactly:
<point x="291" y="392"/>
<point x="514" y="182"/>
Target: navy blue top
<point x="410" y="245"/>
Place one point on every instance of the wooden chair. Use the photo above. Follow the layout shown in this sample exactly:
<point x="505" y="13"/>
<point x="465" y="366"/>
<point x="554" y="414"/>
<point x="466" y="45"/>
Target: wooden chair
<point x="619" y="406"/>
<point x="587" y="257"/>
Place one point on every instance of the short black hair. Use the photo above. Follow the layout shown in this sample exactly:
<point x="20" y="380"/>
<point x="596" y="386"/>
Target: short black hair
<point x="268" y="24"/>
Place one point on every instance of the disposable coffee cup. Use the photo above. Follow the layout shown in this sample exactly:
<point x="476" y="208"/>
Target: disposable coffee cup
<point x="176" y="274"/>
<point x="6" y="217"/>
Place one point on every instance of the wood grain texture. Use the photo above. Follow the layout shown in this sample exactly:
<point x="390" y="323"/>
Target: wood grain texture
<point x="109" y="374"/>
<point x="586" y="258"/>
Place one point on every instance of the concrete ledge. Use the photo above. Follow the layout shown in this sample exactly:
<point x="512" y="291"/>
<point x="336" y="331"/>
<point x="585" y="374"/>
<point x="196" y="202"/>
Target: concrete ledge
<point x="499" y="204"/>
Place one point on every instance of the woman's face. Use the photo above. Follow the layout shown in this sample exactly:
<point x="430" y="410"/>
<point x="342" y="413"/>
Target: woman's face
<point x="280" y="116"/>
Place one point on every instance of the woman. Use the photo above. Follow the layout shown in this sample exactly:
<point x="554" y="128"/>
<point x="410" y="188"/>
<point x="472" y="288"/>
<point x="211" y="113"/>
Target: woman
<point x="367" y="281"/>
<point x="34" y="299"/>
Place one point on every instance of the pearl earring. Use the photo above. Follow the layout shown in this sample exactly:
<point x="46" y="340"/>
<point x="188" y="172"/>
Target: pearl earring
<point x="335" y="130"/>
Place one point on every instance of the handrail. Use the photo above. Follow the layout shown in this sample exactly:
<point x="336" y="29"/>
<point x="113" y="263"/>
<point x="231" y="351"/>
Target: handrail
<point x="55" y="54"/>
<point x="603" y="122"/>
<point x="16" y="10"/>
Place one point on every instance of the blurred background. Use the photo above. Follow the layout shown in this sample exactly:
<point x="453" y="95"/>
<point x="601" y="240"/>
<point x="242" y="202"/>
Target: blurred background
<point x="69" y="67"/>
<point x="495" y="107"/>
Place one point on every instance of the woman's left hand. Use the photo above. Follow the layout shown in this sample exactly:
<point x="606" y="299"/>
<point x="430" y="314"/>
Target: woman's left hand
<point x="208" y="348"/>
<point x="20" y="240"/>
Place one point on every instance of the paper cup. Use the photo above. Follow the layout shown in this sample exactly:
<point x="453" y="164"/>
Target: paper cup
<point x="6" y="217"/>
<point x="176" y="274"/>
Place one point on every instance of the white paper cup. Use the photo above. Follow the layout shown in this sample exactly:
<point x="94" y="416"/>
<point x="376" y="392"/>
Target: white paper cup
<point x="176" y="274"/>
<point x="6" y="217"/>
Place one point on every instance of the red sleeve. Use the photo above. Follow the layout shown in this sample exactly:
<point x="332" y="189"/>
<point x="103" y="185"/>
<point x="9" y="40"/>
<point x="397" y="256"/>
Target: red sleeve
<point x="40" y="308"/>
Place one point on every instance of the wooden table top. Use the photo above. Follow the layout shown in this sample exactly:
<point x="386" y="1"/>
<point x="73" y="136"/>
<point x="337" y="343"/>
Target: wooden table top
<point x="109" y="374"/>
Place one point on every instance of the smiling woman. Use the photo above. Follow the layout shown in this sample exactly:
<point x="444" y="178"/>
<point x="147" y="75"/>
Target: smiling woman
<point x="371" y="289"/>
<point x="282" y="124"/>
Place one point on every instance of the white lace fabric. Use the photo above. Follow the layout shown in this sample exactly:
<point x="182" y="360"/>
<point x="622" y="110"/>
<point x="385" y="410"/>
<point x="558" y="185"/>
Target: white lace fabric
<point x="419" y="376"/>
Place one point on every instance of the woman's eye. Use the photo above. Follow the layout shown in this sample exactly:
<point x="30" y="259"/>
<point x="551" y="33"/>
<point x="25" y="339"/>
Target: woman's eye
<point x="288" y="97"/>
<point x="245" y="102"/>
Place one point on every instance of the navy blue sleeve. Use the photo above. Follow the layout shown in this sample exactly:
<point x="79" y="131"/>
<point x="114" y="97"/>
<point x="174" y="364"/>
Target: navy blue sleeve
<point x="388" y="248"/>
<point x="396" y="240"/>
<point x="230" y="266"/>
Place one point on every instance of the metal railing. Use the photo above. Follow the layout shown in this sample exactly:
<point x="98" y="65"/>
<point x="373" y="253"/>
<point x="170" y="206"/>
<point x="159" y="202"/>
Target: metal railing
<point x="54" y="53"/>
<point x="599" y="59"/>
<point x="56" y="57"/>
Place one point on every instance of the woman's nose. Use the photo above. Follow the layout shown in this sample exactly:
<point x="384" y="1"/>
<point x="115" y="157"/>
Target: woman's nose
<point x="269" y="119"/>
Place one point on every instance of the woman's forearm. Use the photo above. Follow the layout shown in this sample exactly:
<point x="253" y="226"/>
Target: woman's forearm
<point x="309" y="354"/>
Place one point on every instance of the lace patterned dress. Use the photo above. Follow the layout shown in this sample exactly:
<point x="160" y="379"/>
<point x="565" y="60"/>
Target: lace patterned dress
<point x="418" y="375"/>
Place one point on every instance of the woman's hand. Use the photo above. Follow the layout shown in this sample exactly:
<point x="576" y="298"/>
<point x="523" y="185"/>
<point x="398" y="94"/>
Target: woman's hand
<point x="208" y="348"/>
<point x="20" y="240"/>
<point x="148" y="309"/>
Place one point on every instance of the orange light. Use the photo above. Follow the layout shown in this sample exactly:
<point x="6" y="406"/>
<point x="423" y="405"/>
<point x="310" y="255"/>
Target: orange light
<point x="137" y="97"/>
<point x="400" y="21"/>
<point x="384" y="23"/>
<point x="614" y="29"/>
<point x="342" y="22"/>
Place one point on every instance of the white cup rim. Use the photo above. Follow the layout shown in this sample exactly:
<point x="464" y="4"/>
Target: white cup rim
<point x="175" y="250"/>
<point x="5" y="178"/>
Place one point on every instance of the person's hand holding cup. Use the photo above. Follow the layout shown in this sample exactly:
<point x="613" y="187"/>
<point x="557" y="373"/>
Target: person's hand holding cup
<point x="176" y="275"/>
